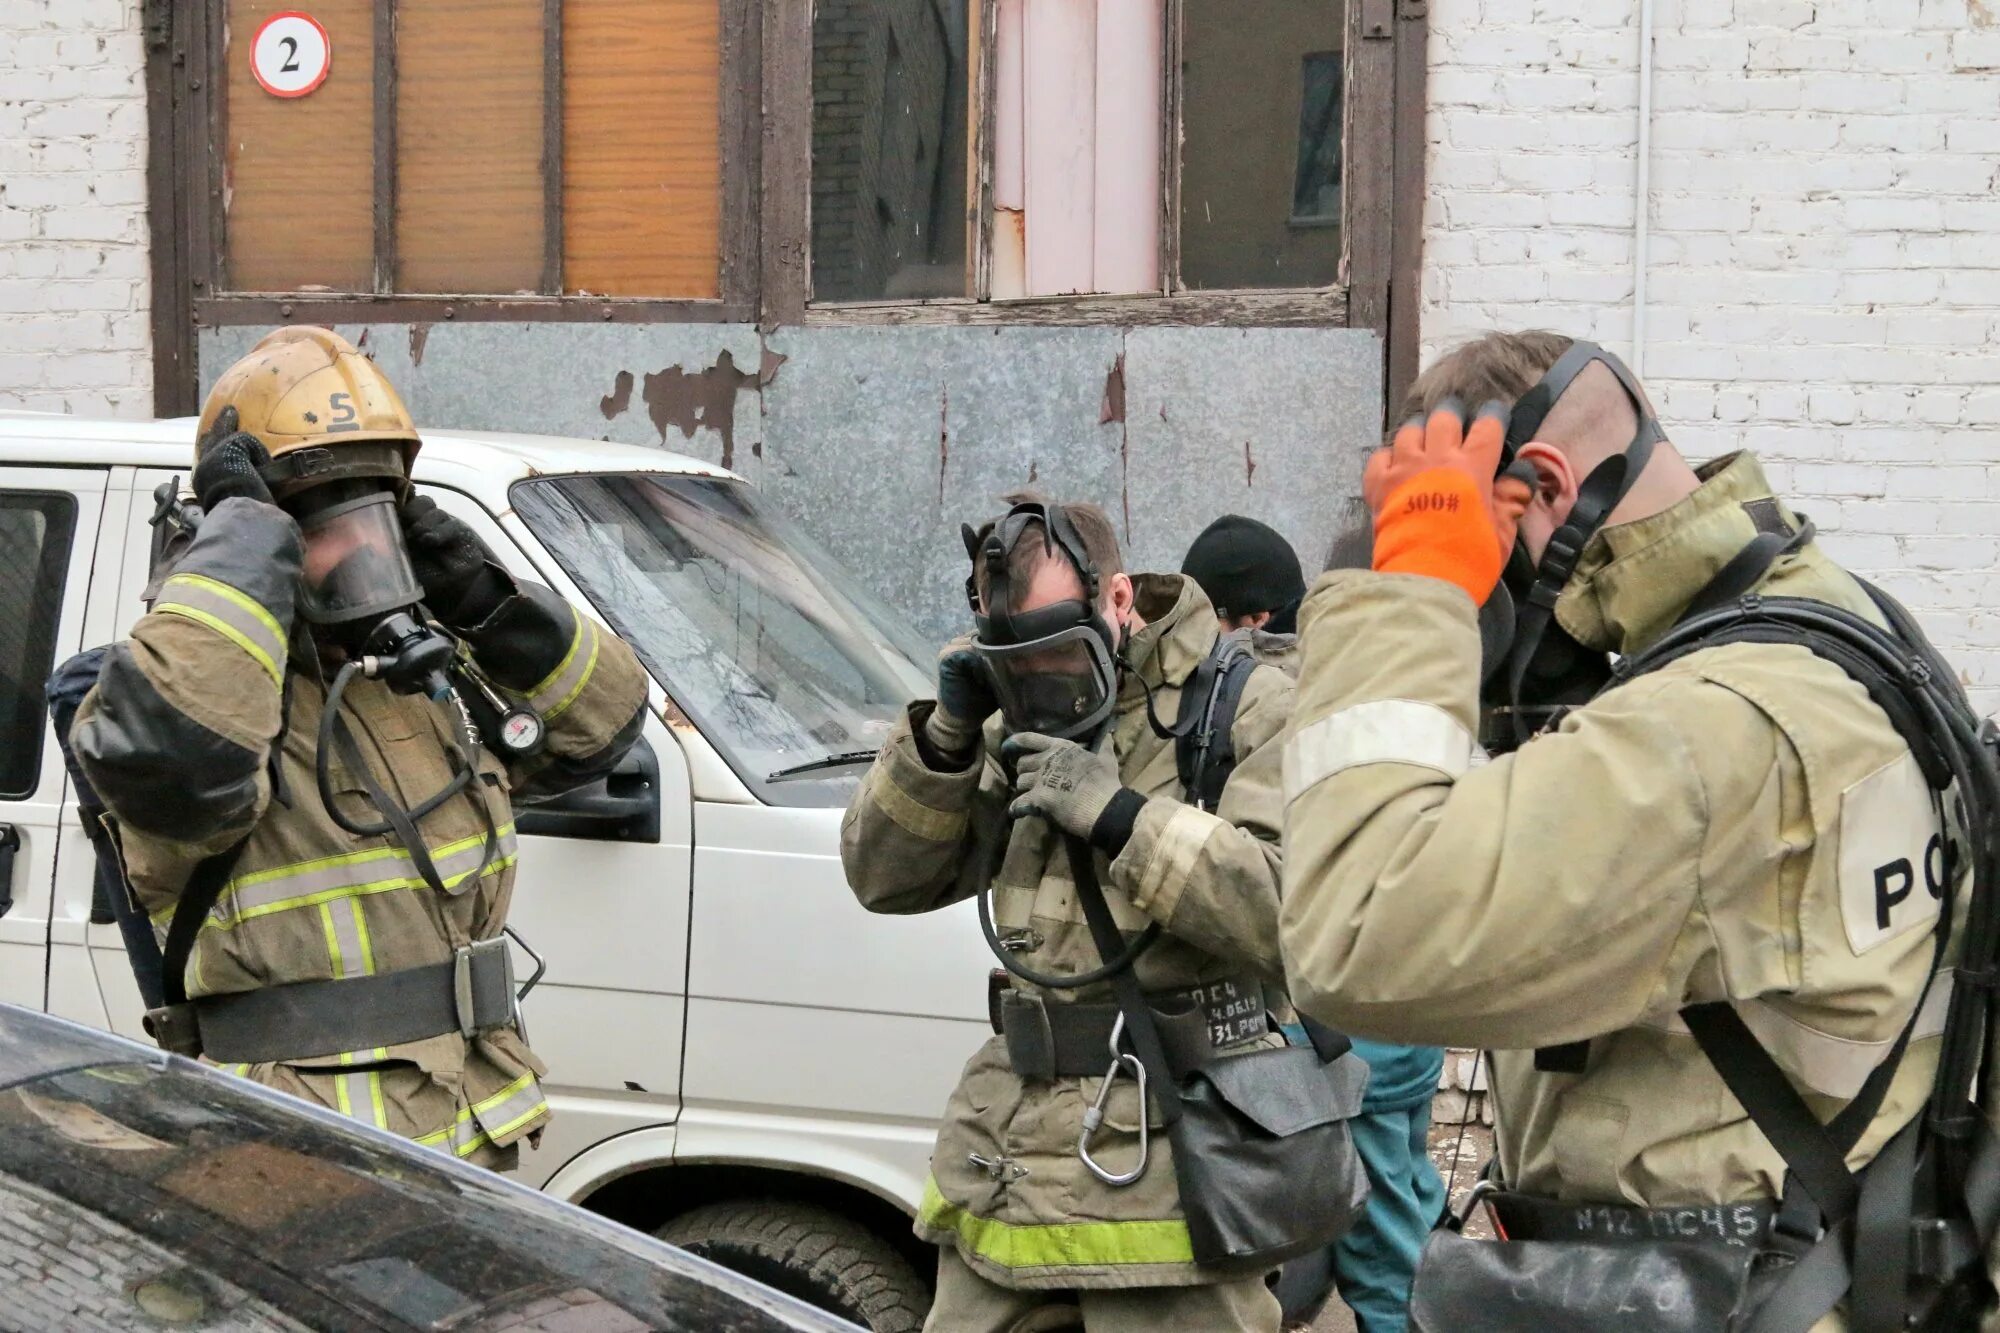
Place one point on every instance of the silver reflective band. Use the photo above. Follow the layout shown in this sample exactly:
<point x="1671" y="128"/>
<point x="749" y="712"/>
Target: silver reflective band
<point x="1384" y="731"/>
<point x="1830" y="1065"/>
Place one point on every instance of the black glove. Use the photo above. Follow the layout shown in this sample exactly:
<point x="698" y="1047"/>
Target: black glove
<point x="229" y="463"/>
<point x="462" y="581"/>
<point x="965" y="699"/>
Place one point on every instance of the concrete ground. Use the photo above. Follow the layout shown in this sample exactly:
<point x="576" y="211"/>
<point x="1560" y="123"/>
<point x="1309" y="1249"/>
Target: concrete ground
<point x="1469" y="1154"/>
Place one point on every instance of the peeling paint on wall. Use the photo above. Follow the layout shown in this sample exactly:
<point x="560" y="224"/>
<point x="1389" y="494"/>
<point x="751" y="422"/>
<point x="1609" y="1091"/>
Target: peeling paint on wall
<point x="676" y="399"/>
<point x="419" y="335"/>
<point x="1114" y="392"/>
<point x="880" y="442"/>
<point x="620" y="397"/>
<point x="944" y="439"/>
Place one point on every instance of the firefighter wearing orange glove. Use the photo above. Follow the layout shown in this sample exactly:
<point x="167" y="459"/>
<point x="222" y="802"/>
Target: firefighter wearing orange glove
<point x="1439" y="510"/>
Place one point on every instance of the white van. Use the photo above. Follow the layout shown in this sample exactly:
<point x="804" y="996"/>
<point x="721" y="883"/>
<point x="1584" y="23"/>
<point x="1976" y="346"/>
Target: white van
<point x="743" y="1060"/>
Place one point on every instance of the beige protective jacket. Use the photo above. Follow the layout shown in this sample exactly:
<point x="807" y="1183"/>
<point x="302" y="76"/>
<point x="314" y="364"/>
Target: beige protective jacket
<point x="1027" y="1214"/>
<point x="178" y="738"/>
<point x="1741" y="825"/>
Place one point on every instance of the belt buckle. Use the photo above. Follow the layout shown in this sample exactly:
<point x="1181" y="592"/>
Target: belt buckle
<point x="463" y="997"/>
<point x="175" y="1028"/>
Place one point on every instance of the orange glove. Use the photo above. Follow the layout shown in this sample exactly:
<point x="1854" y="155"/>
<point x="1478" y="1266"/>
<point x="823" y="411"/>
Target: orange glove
<point x="1439" y="510"/>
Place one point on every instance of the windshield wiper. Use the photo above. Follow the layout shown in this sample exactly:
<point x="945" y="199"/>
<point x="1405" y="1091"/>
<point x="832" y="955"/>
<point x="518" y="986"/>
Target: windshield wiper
<point x="820" y="765"/>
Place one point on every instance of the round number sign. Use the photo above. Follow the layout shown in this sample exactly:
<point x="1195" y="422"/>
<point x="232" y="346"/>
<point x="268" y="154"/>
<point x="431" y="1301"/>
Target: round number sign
<point x="290" y="54"/>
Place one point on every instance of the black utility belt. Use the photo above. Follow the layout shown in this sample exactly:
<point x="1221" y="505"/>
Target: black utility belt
<point x="1054" y="1039"/>
<point x="472" y="993"/>
<point x="1525" y="1217"/>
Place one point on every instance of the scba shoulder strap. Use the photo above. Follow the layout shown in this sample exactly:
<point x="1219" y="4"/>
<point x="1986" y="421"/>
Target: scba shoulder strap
<point x="1906" y="1234"/>
<point x="1204" y="730"/>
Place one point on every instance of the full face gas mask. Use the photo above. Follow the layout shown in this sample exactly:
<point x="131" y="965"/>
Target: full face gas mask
<point x="359" y="591"/>
<point x="1055" y="668"/>
<point x="358" y="586"/>
<point x="1536" y="673"/>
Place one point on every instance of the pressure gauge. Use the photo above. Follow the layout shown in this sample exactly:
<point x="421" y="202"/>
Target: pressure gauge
<point x="521" y="731"/>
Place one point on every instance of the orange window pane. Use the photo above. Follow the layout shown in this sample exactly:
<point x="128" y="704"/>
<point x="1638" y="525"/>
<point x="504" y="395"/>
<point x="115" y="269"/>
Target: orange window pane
<point x="301" y="170"/>
<point x="642" y="170"/>
<point x="469" y="212"/>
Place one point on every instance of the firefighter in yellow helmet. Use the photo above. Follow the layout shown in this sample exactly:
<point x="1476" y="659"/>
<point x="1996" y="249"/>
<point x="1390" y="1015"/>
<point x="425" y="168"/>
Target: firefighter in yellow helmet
<point x="290" y="753"/>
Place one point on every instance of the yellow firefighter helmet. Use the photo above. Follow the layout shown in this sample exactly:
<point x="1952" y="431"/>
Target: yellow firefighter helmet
<point x="319" y="407"/>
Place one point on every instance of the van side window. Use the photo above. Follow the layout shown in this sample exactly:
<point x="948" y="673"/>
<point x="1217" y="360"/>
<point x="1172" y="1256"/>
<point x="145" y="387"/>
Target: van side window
<point x="35" y="532"/>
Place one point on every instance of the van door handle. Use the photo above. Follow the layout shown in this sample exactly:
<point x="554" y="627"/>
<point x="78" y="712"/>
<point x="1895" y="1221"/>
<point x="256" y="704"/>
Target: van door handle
<point x="10" y="842"/>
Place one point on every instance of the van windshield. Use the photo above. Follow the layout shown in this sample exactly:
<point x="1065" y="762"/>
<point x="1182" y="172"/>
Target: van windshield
<point x="784" y="661"/>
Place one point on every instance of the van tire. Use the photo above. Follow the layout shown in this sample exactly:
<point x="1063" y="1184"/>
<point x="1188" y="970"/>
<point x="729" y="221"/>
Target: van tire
<point x="812" y="1253"/>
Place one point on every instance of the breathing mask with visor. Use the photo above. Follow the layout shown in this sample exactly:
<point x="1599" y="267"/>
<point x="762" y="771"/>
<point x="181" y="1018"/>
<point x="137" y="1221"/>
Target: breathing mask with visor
<point x="1054" y="668"/>
<point x="357" y="584"/>
<point x="1539" y="671"/>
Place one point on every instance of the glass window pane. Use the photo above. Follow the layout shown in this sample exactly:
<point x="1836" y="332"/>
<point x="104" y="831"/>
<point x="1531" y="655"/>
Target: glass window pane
<point x="1260" y="144"/>
<point x="760" y="637"/>
<point x="301" y="170"/>
<point x="1316" y="188"/>
<point x="642" y="150"/>
<point x="889" y="149"/>
<point x="34" y="554"/>
<point x="469" y="142"/>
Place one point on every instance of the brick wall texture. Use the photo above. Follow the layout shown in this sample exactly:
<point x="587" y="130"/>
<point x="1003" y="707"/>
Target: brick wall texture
<point x="74" y="289"/>
<point x="1824" y="264"/>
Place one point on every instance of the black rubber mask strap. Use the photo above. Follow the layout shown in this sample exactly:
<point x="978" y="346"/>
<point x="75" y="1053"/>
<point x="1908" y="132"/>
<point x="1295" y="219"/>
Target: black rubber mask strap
<point x="1534" y="406"/>
<point x="1601" y="492"/>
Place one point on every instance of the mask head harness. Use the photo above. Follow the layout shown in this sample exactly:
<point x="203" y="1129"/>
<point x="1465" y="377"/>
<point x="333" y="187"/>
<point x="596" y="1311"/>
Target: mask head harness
<point x="1054" y="668"/>
<point x="1543" y="670"/>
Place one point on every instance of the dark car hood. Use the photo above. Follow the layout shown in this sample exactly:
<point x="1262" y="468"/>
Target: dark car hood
<point x="177" y="1188"/>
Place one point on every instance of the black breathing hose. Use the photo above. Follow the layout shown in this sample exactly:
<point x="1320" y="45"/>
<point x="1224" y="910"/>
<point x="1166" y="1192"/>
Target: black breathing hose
<point x="396" y="820"/>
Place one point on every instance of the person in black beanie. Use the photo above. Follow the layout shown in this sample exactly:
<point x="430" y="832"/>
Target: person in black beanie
<point x="1250" y="573"/>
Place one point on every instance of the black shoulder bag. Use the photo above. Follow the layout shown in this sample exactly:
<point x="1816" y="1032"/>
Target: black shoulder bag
<point x="1262" y="1151"/>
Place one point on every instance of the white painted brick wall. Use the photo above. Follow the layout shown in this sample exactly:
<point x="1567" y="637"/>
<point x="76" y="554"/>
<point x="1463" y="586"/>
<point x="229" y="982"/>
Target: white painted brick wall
<point x="74" y="286"/>
<point x="1824" y="266"/>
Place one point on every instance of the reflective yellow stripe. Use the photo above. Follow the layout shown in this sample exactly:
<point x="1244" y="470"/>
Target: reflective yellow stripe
<point x="575" y="643"/>
<point x="363" y="1089"/>
<point x="332" y="940"/>
<point x="331" y="878"/>
<point x="227" y="631"/>
<point x="557" y="709"/>
<point x="560" y="688"/>
<point x="1057" y="1245"/>
<point x="361" y="930"/>
<point x="242" y="599"/>
<point x="465" y="1133"/>
<point x="230" y="613"/>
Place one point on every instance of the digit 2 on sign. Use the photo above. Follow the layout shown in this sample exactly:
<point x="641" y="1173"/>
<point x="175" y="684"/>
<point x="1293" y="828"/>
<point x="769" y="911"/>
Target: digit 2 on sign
<point x="290" y="54"/>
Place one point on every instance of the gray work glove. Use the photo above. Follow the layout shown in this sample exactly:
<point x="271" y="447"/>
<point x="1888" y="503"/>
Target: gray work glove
<point x="965" y="699"/>
<point x="1075" y="789"/>
<point x="229" y="463"/>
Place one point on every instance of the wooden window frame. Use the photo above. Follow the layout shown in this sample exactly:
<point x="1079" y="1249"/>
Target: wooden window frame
<point x="1382" y="196"/>
<point x="766" y="162"/>
<point x="196" y="52"/>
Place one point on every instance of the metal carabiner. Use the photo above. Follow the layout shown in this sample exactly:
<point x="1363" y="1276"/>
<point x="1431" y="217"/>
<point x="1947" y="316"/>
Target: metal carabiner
<point x="1094" y="1117"/>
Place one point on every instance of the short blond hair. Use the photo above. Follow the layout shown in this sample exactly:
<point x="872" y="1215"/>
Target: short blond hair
<point x="1500" y="366"/>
